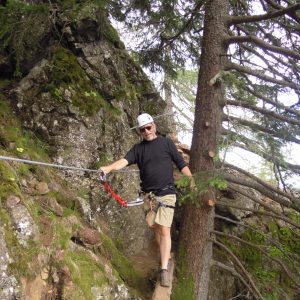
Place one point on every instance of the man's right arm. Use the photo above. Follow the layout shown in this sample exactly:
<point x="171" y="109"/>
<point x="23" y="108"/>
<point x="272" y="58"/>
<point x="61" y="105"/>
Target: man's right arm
<point x="117" y="165"/>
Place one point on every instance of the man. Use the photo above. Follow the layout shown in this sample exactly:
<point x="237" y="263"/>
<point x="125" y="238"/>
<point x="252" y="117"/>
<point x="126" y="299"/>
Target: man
<point x="154" y="157"/>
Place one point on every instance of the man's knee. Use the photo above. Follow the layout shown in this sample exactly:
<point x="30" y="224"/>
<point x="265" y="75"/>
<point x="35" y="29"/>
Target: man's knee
<point x="165" y="231"/>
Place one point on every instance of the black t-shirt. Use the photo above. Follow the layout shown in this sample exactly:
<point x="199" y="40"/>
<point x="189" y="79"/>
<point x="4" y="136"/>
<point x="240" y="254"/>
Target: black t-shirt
<point x="154" y="159"/>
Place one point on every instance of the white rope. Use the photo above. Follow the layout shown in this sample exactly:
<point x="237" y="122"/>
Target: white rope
<point x="32" y="162"/>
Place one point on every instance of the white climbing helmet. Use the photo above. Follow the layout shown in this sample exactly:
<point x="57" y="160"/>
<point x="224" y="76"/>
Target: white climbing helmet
<point x="144" y="119"/>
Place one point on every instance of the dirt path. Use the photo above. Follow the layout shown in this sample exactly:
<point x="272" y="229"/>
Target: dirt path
<point x="147" y="264"/>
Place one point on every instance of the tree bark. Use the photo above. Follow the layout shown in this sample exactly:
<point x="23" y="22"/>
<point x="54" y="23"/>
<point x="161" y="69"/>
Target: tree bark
<point x="168" y="99"/>
<point x="199" y="221"/>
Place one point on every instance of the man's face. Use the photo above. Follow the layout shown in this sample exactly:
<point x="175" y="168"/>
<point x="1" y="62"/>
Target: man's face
<point x="148" y="132"/>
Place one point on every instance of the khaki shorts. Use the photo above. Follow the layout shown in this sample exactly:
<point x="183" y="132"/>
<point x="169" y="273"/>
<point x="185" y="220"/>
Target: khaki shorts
<point x="164" y="215"/>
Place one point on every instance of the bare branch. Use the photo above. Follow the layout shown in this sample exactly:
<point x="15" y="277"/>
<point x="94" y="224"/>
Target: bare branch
<point x="267" y="237"/>
<point x="292" y="14"/>
<point x="232" y="271"/>
<point x="258" y="180"/>
<point x="278" y="261"/>
<point x="285" y="136"/>
<point x="263" y="56"/>
<point x="257" y="294"/>
<point x="268" y="100"/>
<point x="259" y="212"/>
<point x="295" y="203"/>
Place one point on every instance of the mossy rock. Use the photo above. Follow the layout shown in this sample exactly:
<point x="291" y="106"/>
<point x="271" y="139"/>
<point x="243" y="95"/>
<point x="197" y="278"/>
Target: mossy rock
<point x="65" y="74"/>
<point x="22" y="257"/>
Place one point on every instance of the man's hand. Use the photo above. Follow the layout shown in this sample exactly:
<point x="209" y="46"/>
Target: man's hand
<point x="105" y="170"/>
<point x="117" y="165"/>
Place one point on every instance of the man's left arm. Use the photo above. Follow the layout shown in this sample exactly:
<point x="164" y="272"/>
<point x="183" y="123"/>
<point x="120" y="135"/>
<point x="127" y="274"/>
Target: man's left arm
<point x="181" y="164"/>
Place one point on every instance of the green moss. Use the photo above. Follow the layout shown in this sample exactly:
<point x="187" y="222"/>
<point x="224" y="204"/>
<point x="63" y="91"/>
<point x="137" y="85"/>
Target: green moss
<point x="151" y="107"/>
<point x="67" y="74"/>
<point x="70" y="204"/>
<point x="121" y="263"/>
<point x="62" y="235"/>
<point x="85" y="272"/>
<point x="111" y="34"/>
<point x="126" y="92"/>
<point x="20" y="255"/>
<point x="184" y="284"/>
<point x="4" y="82"/>
<point x="8" y="183"/>
<point x="17" y="140"/>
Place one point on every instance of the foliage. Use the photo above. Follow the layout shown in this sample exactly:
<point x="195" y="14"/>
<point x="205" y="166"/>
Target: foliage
<point x="270" y="278"/>
<point x="161" y="20"/>
<point x="204" y="181"/>
<point x="22" y="27"/>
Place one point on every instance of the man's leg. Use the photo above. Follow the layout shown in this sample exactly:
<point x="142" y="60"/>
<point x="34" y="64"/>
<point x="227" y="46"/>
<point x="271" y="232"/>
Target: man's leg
<point x="163" y="238"/>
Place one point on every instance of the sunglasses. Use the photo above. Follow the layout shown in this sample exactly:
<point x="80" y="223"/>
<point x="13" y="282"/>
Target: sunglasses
<point x="142" y="130"/>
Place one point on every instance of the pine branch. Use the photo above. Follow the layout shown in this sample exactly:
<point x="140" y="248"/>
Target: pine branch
<point x="260" y="75"/>
<point x="257" y="18"/>
<point x="285" y="165"/>
<point x="292" y="14"/>
<point x="167" y="40"/>
<point x="284" y="136"/>
<point x="255" y="290"/>
<point x="263" y="111"/>
<point x="262" y="44"/>
<point x="268" y="100"/>
<point x="278" y="261"/>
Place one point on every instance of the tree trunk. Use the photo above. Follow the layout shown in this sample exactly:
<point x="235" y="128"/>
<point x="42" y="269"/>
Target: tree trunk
<point x="199" y="221"/>
<point x="168" y="99"/>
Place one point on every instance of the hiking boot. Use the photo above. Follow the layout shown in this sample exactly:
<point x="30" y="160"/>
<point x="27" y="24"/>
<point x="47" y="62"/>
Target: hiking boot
<point x="164" y="278"/>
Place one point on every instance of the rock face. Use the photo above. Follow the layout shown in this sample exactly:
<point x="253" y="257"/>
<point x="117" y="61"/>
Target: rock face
<point x="86" y="139"/>
<point x="9" y="288"/>
<point x="23" y="223"/>
<point x="80" y="98"/>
